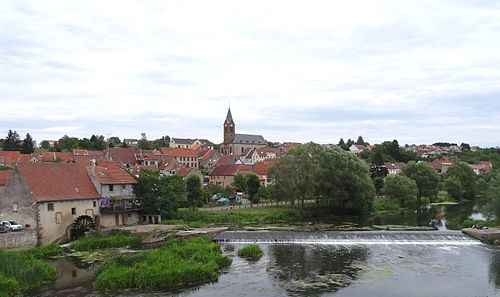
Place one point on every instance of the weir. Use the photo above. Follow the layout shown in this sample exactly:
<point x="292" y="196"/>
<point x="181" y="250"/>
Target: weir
<point x="348" y="237"/>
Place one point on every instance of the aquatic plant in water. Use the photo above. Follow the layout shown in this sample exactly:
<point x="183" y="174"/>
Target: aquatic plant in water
<point x="252" y="251"/>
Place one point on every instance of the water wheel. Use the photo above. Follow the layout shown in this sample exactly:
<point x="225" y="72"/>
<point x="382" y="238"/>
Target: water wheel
<point x="81" y="225"/>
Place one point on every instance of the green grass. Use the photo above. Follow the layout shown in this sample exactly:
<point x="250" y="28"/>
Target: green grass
<point x="470" y="223"/>
<point x="21" y="271"/>
<point x="102" y="241"/>
<point x="238" y="217"/>
<point x="252" y="251"/>
<point x="176" y="265"/>
<point x="44" y="252"/>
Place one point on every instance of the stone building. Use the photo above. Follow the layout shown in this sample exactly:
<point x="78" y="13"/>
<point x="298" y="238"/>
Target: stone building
<point x="49" y="198"/>
<point x="235" y="144"/>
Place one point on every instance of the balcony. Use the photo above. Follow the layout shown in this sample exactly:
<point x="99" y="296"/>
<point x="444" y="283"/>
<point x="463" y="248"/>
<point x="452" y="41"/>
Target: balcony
<point x="120" y="206"/>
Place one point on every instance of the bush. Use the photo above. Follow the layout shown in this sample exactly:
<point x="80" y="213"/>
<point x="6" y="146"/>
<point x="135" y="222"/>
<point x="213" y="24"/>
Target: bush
<point x="385" y="204"/>
<point x="45" y="252"/>
<point x="470" y="223"/>
<point x="8" y="286"/>
<point x="101" y="241"/>
<point x="252" y="251"/>
<point x="176" y="265"/>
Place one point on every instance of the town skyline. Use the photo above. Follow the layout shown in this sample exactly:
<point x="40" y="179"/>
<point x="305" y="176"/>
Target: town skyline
<point x="418" y="73"/>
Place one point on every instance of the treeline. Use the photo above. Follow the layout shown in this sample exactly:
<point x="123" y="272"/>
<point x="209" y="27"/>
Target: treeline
<point x="12" y="142"/>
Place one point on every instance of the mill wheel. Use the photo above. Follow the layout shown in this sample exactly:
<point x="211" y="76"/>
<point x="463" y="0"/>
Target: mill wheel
<point x="81" y="225"/>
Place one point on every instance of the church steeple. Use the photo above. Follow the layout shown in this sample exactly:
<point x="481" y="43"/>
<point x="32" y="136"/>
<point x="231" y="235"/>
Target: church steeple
<point x="229" y="128"/>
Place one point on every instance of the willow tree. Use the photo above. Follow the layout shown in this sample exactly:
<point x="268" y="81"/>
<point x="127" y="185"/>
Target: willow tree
<point x="332" y="177"/>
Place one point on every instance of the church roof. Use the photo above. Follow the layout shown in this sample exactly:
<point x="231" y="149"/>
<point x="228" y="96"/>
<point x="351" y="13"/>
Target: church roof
<point x="249" y="139"/>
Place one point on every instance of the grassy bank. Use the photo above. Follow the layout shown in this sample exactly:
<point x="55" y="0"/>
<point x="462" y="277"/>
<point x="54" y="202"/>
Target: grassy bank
<point x="102" y="241"/>
<point x="25" y="270"/>
<point x="176" y="265"/>
<point x="252" y="251"/>
<point x="239" y="217"/>
<point x="470" y="223"/>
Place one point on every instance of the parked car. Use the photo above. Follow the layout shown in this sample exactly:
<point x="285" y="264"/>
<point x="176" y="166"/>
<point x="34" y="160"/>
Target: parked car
<point x="12" y="225"/>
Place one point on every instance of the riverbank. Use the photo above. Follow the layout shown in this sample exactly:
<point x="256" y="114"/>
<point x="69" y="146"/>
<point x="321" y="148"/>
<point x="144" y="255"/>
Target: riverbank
<point x="490" y="235"/>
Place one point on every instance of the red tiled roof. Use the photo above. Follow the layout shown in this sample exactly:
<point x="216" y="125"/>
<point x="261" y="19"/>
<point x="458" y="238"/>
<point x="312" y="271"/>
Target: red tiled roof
<point x="179" y="152"/>
<point x="58" y="181"/>
<point x="184" y="171"/>
<point x="57" y="156"/>
<point x="137" y="168"/>
<point x="261" y="168"/>
<point x="197" y="147"/>
<point x="4" y="177"/>
<point x="9" y="158"/>
<point x="206" y="155"/>
<point x="227" y="170"/>
<point x="122" y="155"/>
<point x="394" y="166"/>
<point x="111" y="174"/>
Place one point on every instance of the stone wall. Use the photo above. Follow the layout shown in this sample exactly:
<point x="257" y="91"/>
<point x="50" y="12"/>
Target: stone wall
<point x="25" y="239"/>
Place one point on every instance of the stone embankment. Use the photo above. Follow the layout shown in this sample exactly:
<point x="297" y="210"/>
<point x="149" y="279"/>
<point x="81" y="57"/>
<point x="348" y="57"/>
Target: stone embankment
<point x="25" y="239"/>
<point x="490" y="235"/>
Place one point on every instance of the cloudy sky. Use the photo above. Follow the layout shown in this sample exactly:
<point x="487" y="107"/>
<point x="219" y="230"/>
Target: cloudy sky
<point x="417" y="71"/>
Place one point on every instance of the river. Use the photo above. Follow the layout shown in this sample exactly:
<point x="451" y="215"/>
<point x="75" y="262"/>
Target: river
<point x="377" y="263"/>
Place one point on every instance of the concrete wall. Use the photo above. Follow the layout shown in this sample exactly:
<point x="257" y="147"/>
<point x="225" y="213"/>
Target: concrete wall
<point x="16" y="192"/>
<point x="118" y="191"/>
<point x="128" y="218"/>
<point x="53" y="225"/>
<point x="18" y="240"/>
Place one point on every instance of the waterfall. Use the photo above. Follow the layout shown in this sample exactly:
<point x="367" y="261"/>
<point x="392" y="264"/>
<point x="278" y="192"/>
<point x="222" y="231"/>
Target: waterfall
<point x="348" y="238"/>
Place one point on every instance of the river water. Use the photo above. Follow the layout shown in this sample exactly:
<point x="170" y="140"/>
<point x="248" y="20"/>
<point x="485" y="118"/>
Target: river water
<point x="377" y="263"/>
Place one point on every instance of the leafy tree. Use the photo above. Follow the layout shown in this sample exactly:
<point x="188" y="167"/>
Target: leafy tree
<point x="360" y="140"/>
<point x="144" y="143"/>
<point x="464" y="146"/>
<point x="45" y="144"/>
<point x="193" y="188"/>
<point x="378" y="183"/>
<point x="349" y="142"/>
<point x="402" y="189"/>
<point x="454" y="187"/>
<point x="27" y="146"/>
<point x="67" y="143"/>
<point x="465" y="180"/>
<point x="1" y="143"/>
<point x="334" y="178"/>
<point x="161" y="194"/>
<point x="495" y="194"/>
<point x="239" y="182"/>
<point x="252" y="184"/>
<point x="98" y="142"/>
<point x="378" y="158"/>
<point x="114" y="141"/>
<point x="11" y="142"/>
<point x="378" y="171"/>
<point x="124" y="144"/>
<point x="343" y="145"/>
<point x="164" y="141"/>
<point x="483" y="196"/>
<point x="425" y="177"/>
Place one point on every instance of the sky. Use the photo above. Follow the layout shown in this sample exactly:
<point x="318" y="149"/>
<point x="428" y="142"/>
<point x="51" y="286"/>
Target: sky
<point x="415" y="71"/>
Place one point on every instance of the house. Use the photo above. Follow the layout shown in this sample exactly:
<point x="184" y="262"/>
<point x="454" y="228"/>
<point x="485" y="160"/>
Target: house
<point x="264" y="153"/>
<point x="125" y="156"/>
<point x="181" y="142"/>
<point x="441" y="165"/>
<point x="235" y="144"/>
<point x="261" y="169"/>
<point x="247" y="156"/>
<point x="52" y="198"/>
<point x="205" y="143"/>
<point x="131" y="142"/>
<point x="394" y="168"/>
<point x="357" y="149"/>
<point x="483" y="167"/>
<point x="184" y="171"/>
<point x="118" y="205"/>
<point x="147" y="158"/>
<point x="207" y="159"/>
<point x="184" y="156"/>
<point x="223" y="175"/>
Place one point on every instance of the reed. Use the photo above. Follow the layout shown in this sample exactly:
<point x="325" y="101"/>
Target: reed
<point x="252" y="251"/>
<point x="23" y="271"/>
<point x="101" y="241"/>
<point x="176" y="265"/>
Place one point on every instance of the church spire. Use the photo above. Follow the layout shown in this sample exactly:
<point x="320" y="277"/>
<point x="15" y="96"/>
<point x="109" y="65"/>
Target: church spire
<point x="229" y="117"/>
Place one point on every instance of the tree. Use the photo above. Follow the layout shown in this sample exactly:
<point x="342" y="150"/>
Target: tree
<point x="343" y="145"/>
<point x="114" y="141"/>
<point x="465" y="180"/>
<point x="425" y="177"/>
<point x="161" y="194"/>
<point x="11" y="142"/>
<point x="454" y="188"/>
<point x="360" y="140"/>
<point x="193" y="189"/>
<point x="45" y="144"/>
<point x="124" y="144"/>
<point x="334" y="178"/>
<point x="465" y="147"/>
<point x="143" y="143"/>
<point x="378" y="183"/>
<point x="27" y="146"/>
<point x="252" y="184"/>
<point x="164" y="141"/>
<point x="349" y="142"/>
<point x="239" y="182"/>
<point x="402" y="189"/>
<point x="67" y="143"/>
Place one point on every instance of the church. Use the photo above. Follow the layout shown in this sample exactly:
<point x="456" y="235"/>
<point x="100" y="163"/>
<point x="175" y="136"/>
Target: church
<point x="235" y="144"/>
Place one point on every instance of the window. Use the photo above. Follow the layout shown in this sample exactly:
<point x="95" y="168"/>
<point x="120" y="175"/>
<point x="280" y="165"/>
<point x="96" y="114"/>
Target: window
<point x="124" y="187"/>
<point x="14" y="207"/>
<point x="94" y="203"/>
<point x="73" y="210"/>
<point x="59" y="217"/>
<point x="111" y="188"/>
<point x="50" y="206"/>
